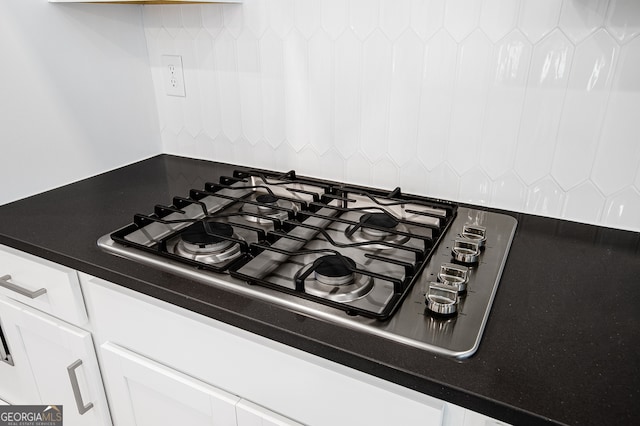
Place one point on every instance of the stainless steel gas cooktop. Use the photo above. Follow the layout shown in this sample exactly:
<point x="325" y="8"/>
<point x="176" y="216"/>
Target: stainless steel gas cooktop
<point x="416" y="270"/>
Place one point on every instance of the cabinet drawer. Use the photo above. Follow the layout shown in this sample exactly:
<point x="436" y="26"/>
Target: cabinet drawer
<point x="41" y="284"/>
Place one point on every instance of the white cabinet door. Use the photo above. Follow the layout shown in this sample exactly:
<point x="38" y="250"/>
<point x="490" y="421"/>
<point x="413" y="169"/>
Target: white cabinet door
<point x="17" y="384"/>
<point x="145" y="393"/>
<point x="250" y="414"/>
<point x="62" y="362"/>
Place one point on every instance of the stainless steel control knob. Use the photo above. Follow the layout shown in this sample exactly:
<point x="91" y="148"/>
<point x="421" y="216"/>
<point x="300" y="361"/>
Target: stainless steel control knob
<point x="442" y="299"/>
<point x="465" y="251"/>
<point x="474" y="233"/>
<point x="454" y="275"/>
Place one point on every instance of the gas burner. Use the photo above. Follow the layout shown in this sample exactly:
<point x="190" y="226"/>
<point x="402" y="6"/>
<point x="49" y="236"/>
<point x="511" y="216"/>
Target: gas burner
<point x="270" y="206"/>
<point x="386" y="229"/>
<point x="208" y="242"/>
<point x="334" y="278"/>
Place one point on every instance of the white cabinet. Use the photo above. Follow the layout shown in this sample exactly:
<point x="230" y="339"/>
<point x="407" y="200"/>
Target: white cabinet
<point x="53" y="363"/>
<point x="262" y="373"/>
<point x="146" y="393"/>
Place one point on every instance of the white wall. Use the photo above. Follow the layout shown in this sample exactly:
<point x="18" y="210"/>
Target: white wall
<point x="76" y="96"/>
<point x="529" y="105"/>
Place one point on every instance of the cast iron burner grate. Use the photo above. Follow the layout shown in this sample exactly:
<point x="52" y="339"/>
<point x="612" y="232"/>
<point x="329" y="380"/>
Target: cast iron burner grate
<point x="275" y="225"/>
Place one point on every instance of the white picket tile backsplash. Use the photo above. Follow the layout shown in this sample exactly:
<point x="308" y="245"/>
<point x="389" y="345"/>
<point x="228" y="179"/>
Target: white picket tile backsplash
<point x="529" y="105"/>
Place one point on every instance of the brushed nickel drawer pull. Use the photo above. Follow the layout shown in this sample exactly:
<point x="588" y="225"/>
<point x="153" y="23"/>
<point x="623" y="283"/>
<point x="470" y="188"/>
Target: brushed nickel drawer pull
<point x="73" y="378"/>
<point x="4" y="282"/>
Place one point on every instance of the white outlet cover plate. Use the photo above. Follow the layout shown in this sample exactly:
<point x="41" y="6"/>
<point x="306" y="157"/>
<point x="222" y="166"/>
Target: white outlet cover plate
<point x="172" y="75"/>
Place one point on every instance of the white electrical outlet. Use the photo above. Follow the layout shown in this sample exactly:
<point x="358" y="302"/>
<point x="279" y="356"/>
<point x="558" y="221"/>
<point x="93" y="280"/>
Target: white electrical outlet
<point x="173" y="76"/>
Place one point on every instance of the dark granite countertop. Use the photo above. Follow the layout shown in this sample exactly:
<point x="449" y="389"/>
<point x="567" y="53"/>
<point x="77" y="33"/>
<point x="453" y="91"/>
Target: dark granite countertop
<point x="561" y="345"/>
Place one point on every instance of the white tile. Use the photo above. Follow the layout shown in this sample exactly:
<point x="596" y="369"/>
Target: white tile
<point x="623" y="210"/>
<point x="223" y="150"/>
<point x="152" y="21"/>
<point x="320" y="92"/>
<point x="308" y="162"/>
<point x="192" y="18"/>
<point x="358" y="169"/>
<point x="296" y="90"/>
<point x="272" y="67"/>
<point x="404" y="108"/>
<point x="461" y="17"/>
<point x="171" y="19"/>
<point x="155" y="49"/>
<point x="546" y="89"/>
<point x="204" y="147"/>
<point x="212" y="19"/>
<point x="363" y="16"/>
<point x="225" y="65"/>
<point x="509" y="71"/>
<point x="233" y="18"/>
<point x="395" y="17"/>
<point x="538" y="17"/>
<point x="475" y="187"/>
<point x="281" y="16"/>
<point x="469" y="102"/>
<point x="334" y="17"/>
<point x="256" y="16"/>
<point x="427" y="17"/>
<point x="376" y="82"/>
<point x="265" y="155"/>
<point x="443" y="182"/>
<point x="545" y="198"/>
<point x="623" y="19"/>
<point x="584" y="109"/>
<point x="386" y="174"/>
<point x="508" y="192"/>
<point x="498" y="17"/>
<point x="618" y="154"/>
<point x="578" y="19"/>
<point x="170" y="142"/>
<point x="286" y="158"/>
<point x="332" y="165"/>
<point x="207" y="81"/>
<point x="436" y="99"/>
<point x="414" y="178"/>
<point x="584" y="203"/>
<point x="192" y="104"/>
<point x="187" y="143"/>
<point x="249" y="84"/>
<point x="347" y="69"/>
<point x="244" y="153"/>
<point x="307" y="16"/>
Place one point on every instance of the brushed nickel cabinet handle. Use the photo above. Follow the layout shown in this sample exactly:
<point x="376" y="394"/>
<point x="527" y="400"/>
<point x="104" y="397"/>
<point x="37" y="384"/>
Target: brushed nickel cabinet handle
<point x="4" y="282"/>
<point x="73" y="378"/>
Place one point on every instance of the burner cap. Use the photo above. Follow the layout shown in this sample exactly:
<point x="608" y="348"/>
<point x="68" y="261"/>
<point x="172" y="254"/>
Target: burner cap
<point x="266" y="198"/>
<point x="200" y="233"/>
<point x="382" y="220"/>
<point x="335" y="279"/>
<point x="334" y="270"/>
